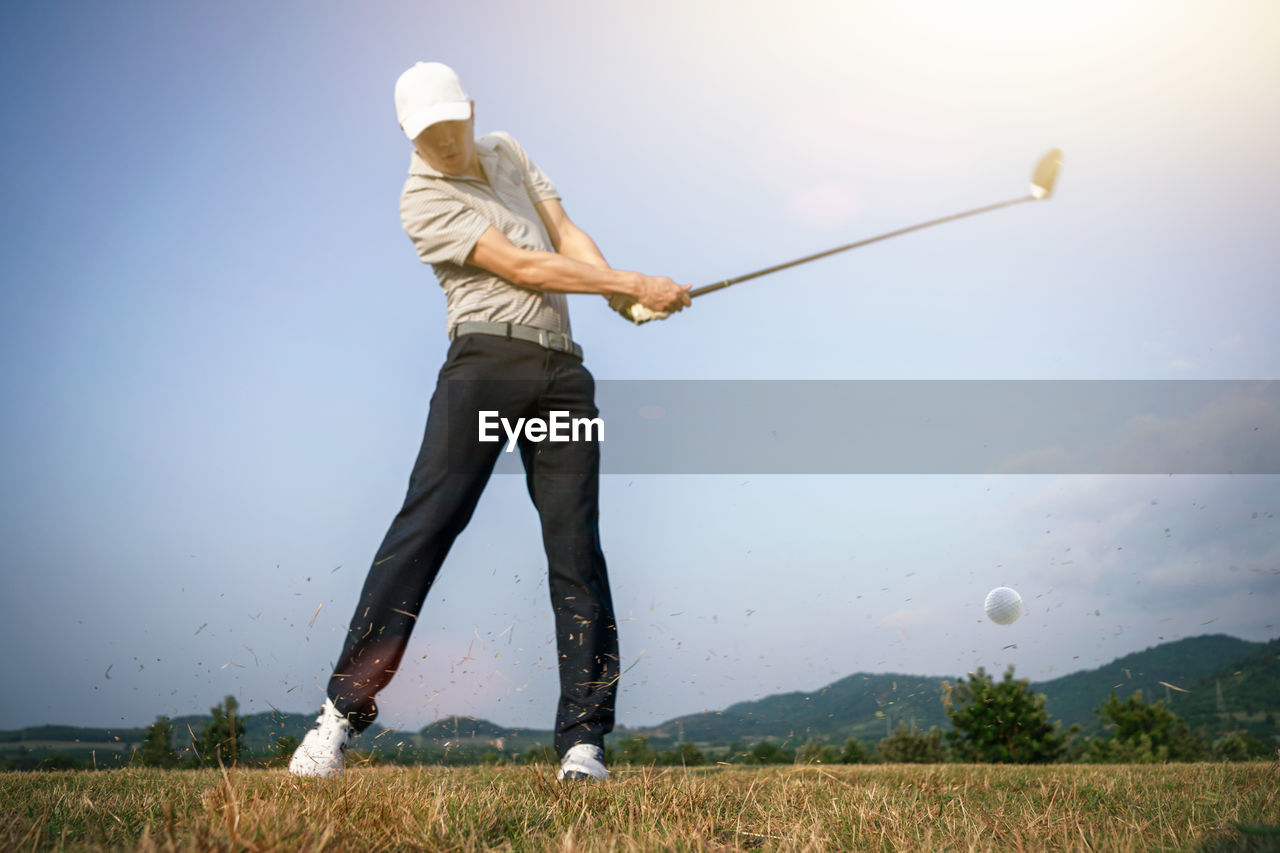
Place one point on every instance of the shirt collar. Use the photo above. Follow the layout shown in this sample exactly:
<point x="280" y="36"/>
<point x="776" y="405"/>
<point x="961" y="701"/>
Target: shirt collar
<point x="486" y="150"/>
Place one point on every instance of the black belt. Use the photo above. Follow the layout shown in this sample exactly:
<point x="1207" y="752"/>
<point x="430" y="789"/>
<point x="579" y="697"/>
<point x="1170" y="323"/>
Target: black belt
<point x="546" y="338"/>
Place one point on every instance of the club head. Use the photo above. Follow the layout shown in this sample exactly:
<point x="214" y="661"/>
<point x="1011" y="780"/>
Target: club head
<point x="1046" y="173"/>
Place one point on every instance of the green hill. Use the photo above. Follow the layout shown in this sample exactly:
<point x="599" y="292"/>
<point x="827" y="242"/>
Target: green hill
<point x="867" y="706"/>
<point x="1238" y="697"/>
<point x="1180" y="663"/>
<point x="70" y="734"/>
<point x="262" y="731"/>
<point x="862" y="705"/>
<point x="1216" y="683"/>
<point x="468" y="731"/>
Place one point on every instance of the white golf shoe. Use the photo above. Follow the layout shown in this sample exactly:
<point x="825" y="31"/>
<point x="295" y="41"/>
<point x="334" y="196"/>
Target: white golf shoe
<point x="583" y="761"/>
<point x="322" y="751"/>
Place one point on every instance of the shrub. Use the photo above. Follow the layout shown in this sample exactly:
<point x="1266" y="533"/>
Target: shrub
<point x="907" y="746"/>
<point x="684" y="755"/>
<point x="768" y="753"/>
<point x="817" y="752"/>
<point x="854" y="752"/>
<point x="1239" y="746"/>
<point x="1142" y="734"/>
<point x="1002" y="723"/>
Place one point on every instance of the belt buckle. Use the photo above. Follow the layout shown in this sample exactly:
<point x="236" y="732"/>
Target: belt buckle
<point x="557" y="341"/>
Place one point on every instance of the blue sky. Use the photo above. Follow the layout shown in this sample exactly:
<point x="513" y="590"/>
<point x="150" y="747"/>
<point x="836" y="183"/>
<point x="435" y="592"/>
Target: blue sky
<point x="218" y="345"/>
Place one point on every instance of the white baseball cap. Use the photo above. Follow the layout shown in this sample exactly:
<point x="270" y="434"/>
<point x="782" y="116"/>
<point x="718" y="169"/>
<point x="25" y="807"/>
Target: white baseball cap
<point x="427" y="93"/>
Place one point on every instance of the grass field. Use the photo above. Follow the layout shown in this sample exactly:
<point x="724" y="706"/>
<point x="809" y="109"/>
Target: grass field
<point x="868" y="807"/>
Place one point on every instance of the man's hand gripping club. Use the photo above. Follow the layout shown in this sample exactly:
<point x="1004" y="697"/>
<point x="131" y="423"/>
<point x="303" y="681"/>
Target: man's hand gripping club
<point x="658" y="299"/>
<point x="577" y="267"/>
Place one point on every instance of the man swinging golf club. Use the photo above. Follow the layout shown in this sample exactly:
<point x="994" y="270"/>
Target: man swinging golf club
<point x="505" y="252"/>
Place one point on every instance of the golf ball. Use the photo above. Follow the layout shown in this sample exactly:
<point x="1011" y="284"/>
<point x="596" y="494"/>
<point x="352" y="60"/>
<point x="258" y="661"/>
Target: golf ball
<point x="1003" y="605"/>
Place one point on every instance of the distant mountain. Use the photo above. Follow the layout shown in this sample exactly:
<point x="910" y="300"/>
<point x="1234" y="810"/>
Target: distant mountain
<point x="1215" y="683"/>
<point x="70" y="734"/>
<point x="1180" y="663"/>
<point x="867" y="706"/>
<point x="862" y="705"/>
<point x="263" y="731"/>
<point x="1238" y="697"/>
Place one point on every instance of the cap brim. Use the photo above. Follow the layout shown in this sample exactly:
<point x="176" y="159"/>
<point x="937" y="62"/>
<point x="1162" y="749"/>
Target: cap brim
<point x="450" y="111"/>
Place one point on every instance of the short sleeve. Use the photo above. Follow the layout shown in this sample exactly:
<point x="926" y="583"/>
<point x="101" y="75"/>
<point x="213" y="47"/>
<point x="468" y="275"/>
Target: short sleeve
<point x="443" y="229"/>
<point x="535" y="180"/>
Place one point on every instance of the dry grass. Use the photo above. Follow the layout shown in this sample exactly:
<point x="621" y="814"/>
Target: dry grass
<point x="883" y="807"/>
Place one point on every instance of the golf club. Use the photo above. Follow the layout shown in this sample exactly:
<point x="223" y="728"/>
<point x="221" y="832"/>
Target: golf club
<point x="1042" y="181"/>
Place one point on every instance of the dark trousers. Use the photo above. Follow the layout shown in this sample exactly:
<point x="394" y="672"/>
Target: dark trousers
<point x="517" y="379"/>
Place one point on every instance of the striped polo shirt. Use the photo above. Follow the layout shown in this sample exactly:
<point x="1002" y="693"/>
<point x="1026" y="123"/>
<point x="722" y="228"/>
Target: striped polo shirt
<point x="444" y="216"/>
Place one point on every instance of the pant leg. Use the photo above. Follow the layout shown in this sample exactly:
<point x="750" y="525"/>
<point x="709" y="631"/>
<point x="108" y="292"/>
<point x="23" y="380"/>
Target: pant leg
<point x="563" y="480"/>
<point x="448" y="478"/>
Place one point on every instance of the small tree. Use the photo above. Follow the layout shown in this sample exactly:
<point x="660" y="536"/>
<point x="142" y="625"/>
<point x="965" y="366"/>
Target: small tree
<point x="59" y="761"/>
<point x="768" y="753"/>
<point x="1239" y="746"/>
<point x="854" y="752"/>
<point x="539" y="755"/>
<point x="684" y="755"/>
<point x="634" y="749"/>
<point x="283" y="751"/>
<point x="817" y="752"/>
<point x="1001" y="723"/>
<point x="222" y="739"/>
<point x="907" y="746"/>
<point x="157" y="749"/>
<point x="1142" y="734"/>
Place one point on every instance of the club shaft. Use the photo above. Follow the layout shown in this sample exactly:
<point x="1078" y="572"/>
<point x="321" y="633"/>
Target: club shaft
<point x="698" y="291"/>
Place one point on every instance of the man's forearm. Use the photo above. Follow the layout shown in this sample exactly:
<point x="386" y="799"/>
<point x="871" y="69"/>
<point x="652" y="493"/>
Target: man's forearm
<point x="577" y="244"/>
<point x="555" y="272"/>
<point x="561" y="272"/>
